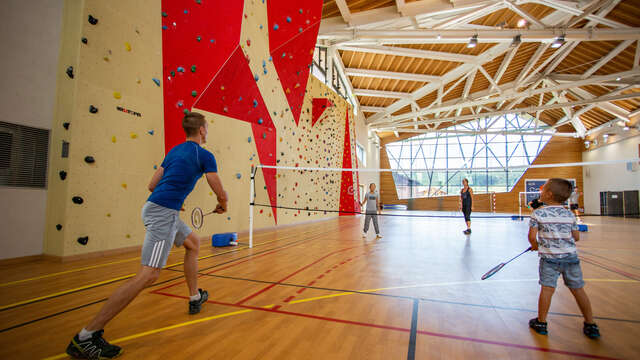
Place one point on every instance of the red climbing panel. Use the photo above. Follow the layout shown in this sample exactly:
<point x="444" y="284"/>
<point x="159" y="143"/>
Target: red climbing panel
<point x="319" y="105"/>
<point x="218" y="30"/>
<point x="293" y="32"/>
<point x="347" y="189"/>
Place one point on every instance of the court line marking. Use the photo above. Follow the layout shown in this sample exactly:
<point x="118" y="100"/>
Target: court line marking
<point x="108" y="281"/>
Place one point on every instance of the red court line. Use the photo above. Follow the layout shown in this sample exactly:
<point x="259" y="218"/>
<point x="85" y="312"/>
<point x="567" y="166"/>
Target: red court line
<point x="611" y="268"/>
<point x="394" y="328"/>
<point x="290" y="275"/>
<point x="228" y="266"/>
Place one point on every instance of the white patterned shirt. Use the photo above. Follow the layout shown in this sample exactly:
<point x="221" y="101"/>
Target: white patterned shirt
<point x="554" y="224"/>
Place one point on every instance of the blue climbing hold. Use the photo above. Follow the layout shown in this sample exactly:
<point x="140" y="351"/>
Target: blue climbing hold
<point x="284" y="54"/>
<point x="260" y="121"/>
<point x="155" y="167"/>
<point x="264" y="135"/>
<point x="212" y="41"/>
<point x="270" y="58"/>
<point x="261" y="25"/>
<point x="249" y="139"/>
<point x="150" y="132"/>
<point x="265" y="71"/>
<point x="156" y="81"/>
<point x="186" y="11"/>
<point x="164" y="27"/>
<point x="288" y="19"/>
<point x="238" y="176"/>
<point x="264" y="63"/>
<point x="276" y="27"/>
<point x="180" y="69"/>
<point x="255" y="103"/>
<point x="255" y="77"/>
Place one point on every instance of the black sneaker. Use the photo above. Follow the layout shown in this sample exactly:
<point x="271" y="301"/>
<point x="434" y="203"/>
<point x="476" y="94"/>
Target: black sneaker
<point x="195" y="306"/>
<point x="93" y="348"/>
<point x="539" y="327"/>
<point x="591" y="330"/>
<point x="468" y="231"/>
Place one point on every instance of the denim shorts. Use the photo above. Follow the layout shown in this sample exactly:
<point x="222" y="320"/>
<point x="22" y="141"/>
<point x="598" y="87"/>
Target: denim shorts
<point x="569" y="267"/>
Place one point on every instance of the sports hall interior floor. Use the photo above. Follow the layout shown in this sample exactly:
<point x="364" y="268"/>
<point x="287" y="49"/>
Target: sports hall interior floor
<point x="321" y="291"/>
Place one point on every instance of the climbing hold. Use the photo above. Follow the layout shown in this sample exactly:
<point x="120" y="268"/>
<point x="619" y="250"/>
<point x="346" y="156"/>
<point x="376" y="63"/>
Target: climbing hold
<point x="164" y="14"/>
<point x="249" y="139"/>
<point x="164" y="27"/>
<point x="70" y="72"/>
<point x="63" y="174"/>
<point x="198" y="38"/>
<point x="255" y="77"/>
<point x="155" y="167"/>
<point x="238" y="176"/>
<point x="93" y="109"/>
<point x="228" y="217"/>
<point x="270" y="58"/>
<point x="186" y="11"/>
<point x="156" y="81"/>
<point x="124" y="186"/>
<point x="59" y="227"/>
<point x="288" y="19"/>
<point x="300" y="11"/>
<point x="255" y="103"/>
<point x="150" y="132"/>
<point x="89" y="159"/>
<point x="284" y="54"/>
<point x="77" y="200"/>
<point x="264" y="135"/>
<point x="260" y="121"/>
<point x="276" y="27"/>
<point x="180" y="103"/>
<point x="194" y="93"/>
<point x="193" y="68"/>
<point x="299" y="29"/>
<point x="248" y="42"/>
<point x="128" y="236"/>
<point x="185" y="111"/>
<point x="117" y="95"/>
<point x="198" y="1"/>
<point x="84" y="40"/>
<point x="133" y="135"/>
<point x="65" y="126"/>
<point x="260" y="26"/>
<point x="83" y="240"/>
<point x="173" y="73"/>
<point x="108" y="214"/>
<point x="212" y="41"/>
<point x="127" y="46"/>
<point x="92" y="20"/>
<point x="180" y="69"/>
<point x="113" y="139"/>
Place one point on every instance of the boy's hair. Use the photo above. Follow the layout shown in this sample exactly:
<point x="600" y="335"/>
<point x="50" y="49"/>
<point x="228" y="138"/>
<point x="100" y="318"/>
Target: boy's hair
<point x="192" y="122"/>
<point x="560" y="189"/>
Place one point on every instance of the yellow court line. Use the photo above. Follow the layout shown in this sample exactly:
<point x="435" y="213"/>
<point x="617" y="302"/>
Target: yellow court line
<point x="233" y="313"/>
<point x="28" y="301"/>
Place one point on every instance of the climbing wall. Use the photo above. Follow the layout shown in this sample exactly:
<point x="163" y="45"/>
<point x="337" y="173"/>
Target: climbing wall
<point x="129" y="70"/>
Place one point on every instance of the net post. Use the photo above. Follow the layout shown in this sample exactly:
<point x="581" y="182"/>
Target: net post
<point x="251" y="202"/>
<point x="520" y="206"/>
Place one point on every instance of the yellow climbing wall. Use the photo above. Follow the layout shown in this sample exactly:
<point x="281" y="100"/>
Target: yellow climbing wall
<point x="113" y="72"/>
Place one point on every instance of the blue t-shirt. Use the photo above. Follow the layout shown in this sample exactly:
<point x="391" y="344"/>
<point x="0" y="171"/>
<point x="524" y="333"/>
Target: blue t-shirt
<point x="183" y="166"/>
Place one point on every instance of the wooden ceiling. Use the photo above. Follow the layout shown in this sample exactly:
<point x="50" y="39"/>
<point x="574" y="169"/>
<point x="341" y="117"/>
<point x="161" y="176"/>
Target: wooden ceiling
<point x="579" y="60"/>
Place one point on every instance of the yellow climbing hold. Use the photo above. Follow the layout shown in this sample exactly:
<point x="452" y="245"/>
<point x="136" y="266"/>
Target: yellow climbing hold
<point x="210" y="193"/>
<point x="134" y="135"/>
<point x="128" y="236"/>
<point x="108" y="214"/>
<point x="127" y="46"/>
<point x="124" y="186"/>
<point x="113" y="139"/>
<point x="117" y="95"/>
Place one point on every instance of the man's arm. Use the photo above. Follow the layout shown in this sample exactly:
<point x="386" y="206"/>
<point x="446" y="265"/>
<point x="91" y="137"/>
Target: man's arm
<point x="533" y="238"/>
<point x="576" y="235"/>
<point x="216" y="185"/>
<point x="155" y="179"/>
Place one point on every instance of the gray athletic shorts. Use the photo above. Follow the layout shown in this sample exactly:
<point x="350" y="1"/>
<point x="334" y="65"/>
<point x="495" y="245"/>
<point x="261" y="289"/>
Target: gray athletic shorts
<point x="164" y="229"/>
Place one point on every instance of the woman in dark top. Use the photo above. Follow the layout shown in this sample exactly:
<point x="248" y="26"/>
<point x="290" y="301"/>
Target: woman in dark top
<point x="466" y="203"/>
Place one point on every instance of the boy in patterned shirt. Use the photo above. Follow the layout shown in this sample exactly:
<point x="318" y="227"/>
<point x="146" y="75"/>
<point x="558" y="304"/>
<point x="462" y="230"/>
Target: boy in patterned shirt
<point x="553" y="232"/>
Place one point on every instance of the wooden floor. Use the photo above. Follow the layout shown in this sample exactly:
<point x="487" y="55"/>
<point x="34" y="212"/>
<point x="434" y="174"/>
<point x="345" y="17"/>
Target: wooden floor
<point x="321" y="291"/>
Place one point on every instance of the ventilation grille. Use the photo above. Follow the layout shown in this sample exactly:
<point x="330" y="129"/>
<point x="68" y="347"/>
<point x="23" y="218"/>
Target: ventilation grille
<point x="24" y="153"/>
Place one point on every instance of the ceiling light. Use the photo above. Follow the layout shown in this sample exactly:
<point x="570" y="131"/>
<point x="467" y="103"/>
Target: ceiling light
<point x="522" y="23"/>
<point x="618" y="78"/>
<point x="557" y="42"/>
<point x="473" y="41"/>
<point x="516" y="40"/>
<point x="587" y="144"/>
<point x="605" y="137"/>
<point x="621" y="123"/>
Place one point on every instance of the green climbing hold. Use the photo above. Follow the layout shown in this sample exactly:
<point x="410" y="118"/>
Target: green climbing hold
<point x="193" y="68"/>
<point x="198" y="38"/>
<point x="164" y="14"/>
<point x="194" y="93"/>
<point x="185" y="111"/>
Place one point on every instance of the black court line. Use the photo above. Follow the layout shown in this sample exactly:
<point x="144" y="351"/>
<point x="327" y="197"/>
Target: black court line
<point x="407" y="297"/>
<point x="411" y="353"/>
<point x="153" y="285"/>
<point x="606" y="258"/>
<point x="606" y="268"/>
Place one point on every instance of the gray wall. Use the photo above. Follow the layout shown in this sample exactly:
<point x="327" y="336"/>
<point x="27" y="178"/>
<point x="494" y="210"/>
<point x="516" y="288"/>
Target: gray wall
<point x="30" y="41"/>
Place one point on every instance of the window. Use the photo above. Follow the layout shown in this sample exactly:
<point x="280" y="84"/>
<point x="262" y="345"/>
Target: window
<point x="362" y="155"/>
<point x="23" y="156"/>
<point x="434" y="164"/>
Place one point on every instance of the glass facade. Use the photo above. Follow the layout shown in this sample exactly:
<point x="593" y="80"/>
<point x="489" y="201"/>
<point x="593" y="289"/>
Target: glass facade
<point x="434" y="164"/>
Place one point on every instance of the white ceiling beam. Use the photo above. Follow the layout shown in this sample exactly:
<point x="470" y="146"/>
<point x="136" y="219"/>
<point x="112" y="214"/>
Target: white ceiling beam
<point x="572" y="8"/>
<point x="612" y="109"/>
<point x="400" y="6"/>
<point x="505" y="63"/>
<point x="529" y="109"/>
<point x="471" y="16"/>
<point x="337" y="59"/>
<point x="428" y="36"/>
<point x="372" y="109"/>
<point x="381" y="93"/>
<point x="414" y="53"/>
<point x="613" y="53"/>
<point x="484" y="72"/>
<point x="344" y="10"/>
<point x="595" y="5"/>
<point x="391" y="75"/>
<point x="532" y="61"/>
<point x="541" y="131"/>
<point x="530" y="18"/>
<point x="511" y="94"/>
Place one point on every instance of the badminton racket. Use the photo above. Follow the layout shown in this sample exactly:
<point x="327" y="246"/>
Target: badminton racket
<point x="497" y="268"/>
<point x="197" y="216"/>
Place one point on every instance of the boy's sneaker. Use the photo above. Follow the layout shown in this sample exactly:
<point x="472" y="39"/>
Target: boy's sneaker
<point x="539" y="327"/>
<point x="93" y="348"/>
<point x="364" y="235"/>
<point x="467" y="232"/>
<point x="195" y="306"/>
<point x="591" y="330"/>
<point x="378" y="236"/>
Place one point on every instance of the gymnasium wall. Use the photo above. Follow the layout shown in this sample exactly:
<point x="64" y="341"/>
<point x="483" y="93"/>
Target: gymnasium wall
<point x="30" y="36"/>
<point x="614" y="177"/>
<point x="557" y="150"/>
<point x="245" y="65"/>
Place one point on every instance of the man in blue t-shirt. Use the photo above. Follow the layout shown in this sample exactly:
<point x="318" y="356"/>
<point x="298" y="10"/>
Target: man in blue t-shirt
<point x="169" y="186"/>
